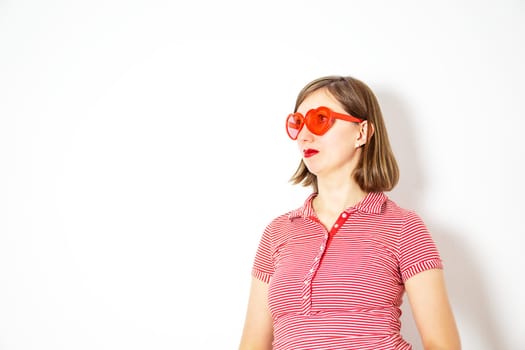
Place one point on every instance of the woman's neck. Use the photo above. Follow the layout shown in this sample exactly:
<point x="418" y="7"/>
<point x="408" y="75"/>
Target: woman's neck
<point x="335" y="196"/>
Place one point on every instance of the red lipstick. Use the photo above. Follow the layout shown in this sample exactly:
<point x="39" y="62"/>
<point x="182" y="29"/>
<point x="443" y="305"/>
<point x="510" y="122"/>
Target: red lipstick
<point x="310" y="152"/>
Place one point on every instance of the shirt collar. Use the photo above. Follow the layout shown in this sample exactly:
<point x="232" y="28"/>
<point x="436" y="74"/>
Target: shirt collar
<point x="371" y="204"/>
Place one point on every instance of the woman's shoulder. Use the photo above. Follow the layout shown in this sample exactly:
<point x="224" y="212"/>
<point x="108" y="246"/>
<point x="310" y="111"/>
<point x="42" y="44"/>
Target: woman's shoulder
<point x="304" y="210"/>
<point x="393" y="208"/>
<point x="286" y="217"/>
<point x="291" y="217"/>
<point x="280" y="219"/>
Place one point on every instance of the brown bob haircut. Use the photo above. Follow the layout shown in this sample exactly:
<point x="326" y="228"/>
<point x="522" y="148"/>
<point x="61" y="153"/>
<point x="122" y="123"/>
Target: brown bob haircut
<point x="377" y="168"/>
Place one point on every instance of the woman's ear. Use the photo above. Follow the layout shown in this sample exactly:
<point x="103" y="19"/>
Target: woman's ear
<point x="366" y="130"/>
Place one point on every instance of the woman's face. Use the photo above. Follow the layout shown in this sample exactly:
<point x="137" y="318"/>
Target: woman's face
<point x="338" y="149"/>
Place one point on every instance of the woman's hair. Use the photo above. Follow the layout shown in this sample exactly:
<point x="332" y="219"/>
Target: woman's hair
<point x="377" y="168"/>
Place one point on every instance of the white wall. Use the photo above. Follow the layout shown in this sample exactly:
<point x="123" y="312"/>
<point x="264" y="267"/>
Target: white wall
<point x="142" y="152"/>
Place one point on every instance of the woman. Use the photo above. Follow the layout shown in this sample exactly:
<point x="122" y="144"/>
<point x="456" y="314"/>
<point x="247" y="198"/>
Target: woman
<point x="332" y="273"/>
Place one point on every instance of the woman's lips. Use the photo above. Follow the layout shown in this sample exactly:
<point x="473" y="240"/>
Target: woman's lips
<point x="310" y="152"/>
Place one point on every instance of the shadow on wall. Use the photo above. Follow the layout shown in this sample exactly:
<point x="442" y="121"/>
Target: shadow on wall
<point x="403" y="139"/>
<point x="467" y="293"/>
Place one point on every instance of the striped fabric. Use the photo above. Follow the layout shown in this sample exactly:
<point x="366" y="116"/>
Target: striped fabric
<point x="342" y="289"/>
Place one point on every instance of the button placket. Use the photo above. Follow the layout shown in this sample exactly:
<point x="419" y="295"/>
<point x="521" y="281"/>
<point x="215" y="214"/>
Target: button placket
<point x="306" y="291"/>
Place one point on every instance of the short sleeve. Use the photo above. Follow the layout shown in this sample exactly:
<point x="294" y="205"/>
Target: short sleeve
<point x="263" y="265"/>
<point x="417" y="249"/>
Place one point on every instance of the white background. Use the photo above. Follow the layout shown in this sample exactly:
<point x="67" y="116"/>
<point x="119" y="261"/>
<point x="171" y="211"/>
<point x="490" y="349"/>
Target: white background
<point x="142" y="153"/>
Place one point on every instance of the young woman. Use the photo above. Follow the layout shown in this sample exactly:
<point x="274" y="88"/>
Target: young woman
<point x="332" y="273"/>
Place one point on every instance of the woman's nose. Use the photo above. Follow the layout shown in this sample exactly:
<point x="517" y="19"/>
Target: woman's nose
<point x="305" y="135"/>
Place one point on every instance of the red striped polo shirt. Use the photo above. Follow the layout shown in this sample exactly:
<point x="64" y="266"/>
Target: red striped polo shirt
<point x="342" y="289"/>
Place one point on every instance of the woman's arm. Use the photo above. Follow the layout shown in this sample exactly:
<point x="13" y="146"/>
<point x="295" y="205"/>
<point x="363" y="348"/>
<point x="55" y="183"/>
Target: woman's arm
<point x="258" y="328"/>
<point x="431" y="310"/>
